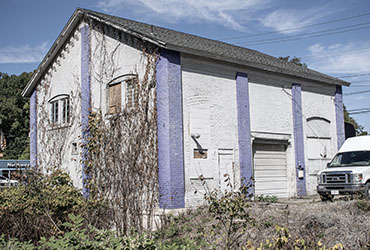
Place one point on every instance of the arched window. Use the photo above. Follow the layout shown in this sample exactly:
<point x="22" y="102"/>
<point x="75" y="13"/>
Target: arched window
<point x="60" y="109"/>
<point x="122" y="93"/>
<point x="318" y="138"/>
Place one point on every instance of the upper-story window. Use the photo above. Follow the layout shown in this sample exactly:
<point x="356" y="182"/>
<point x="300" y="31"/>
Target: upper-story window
<point x="115" y="98"/>
<point x="122" y="93"/>
<point x="60" y="109"/>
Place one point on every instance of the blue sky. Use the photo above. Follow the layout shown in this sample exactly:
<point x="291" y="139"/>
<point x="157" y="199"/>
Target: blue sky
<point x="332" y="37"/>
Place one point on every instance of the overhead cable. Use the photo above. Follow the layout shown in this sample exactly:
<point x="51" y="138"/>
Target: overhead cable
<point x="357" y="75"/>
<point x="356" y="93"/>
<point x="304" y="36"/>
<point x="295" y="28"/>
<point x="337" y="53"/>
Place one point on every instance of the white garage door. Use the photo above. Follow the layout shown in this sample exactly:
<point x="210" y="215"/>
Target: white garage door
<point x="270" y="170"/>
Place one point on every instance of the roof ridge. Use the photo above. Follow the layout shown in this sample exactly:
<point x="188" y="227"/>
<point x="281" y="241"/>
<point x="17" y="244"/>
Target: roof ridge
<point x="185" y="43"/>
<point x="289" y="65"/>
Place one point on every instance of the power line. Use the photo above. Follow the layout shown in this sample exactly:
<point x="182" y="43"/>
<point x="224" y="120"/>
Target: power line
<point x="361" y="81"/>
<point x="337" y="53"/>
<point x="310" y="33"/>
<point x="357" y="113"/>
<point x="295" y="28"/>
<point x="299" y="37"/>
<point x="359" y="109"/>
<point x="356" y="93"/>
<point x="349" y="76"/>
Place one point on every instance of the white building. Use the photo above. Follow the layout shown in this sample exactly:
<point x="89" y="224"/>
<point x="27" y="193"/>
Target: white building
<point x="220" y="108"/>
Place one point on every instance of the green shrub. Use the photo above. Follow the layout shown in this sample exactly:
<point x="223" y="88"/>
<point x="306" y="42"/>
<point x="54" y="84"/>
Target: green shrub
<point x="78" y="236"/>
<point x="39" y="207"/>
<point x="267" y="198"/>
<point x="363" y="205"/>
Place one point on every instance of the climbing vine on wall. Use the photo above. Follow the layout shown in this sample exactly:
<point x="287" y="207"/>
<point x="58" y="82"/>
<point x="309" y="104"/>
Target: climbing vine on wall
<point x="55" y="139"/>
<point x="121" y="162"/>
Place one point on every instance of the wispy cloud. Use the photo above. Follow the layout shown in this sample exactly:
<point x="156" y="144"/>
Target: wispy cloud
<point x="289" y="21"/>
<point x="350" y="58"/>
<point x="227" y="13"/>
<point x="23" y="54"/>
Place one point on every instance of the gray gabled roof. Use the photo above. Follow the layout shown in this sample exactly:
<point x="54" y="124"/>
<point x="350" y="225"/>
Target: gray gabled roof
<point x="187" y="43"/>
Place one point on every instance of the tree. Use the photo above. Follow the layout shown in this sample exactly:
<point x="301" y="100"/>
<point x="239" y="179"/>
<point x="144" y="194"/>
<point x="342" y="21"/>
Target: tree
<point x="358" y="128"/>
<point x="14" y="115"/>
<point x="295" y="60"/>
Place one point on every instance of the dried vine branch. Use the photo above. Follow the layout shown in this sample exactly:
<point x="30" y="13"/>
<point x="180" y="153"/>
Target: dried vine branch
<point x="122" y="150"/>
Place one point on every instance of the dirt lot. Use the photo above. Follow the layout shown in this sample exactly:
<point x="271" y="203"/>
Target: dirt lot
<point x="331" y="222"/>
<point x="346" y="222"/>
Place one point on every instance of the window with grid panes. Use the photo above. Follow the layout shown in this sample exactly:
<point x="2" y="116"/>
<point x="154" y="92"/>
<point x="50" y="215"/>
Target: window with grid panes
<point x="60" y="110"/>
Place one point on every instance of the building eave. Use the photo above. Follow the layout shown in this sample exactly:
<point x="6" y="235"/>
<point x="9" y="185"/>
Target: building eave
<point x="258" y="66"/>
<point x="77" y="16"/>
<point x="81" y="14"/>
<point x="52" y="53"/>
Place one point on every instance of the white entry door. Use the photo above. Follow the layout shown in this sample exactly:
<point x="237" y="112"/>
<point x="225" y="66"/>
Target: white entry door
<point x="270" y="170"/>
<point x="226" y="168"/>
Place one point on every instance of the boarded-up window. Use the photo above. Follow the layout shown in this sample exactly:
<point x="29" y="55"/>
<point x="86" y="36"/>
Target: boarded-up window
<point x="200" y="153"/>
<point x="115" y="98"/>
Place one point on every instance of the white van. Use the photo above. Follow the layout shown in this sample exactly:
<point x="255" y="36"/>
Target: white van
<point x="348" y="172"/>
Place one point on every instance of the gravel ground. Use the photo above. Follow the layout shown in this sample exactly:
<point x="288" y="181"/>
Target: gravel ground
<point x="329" y="222"/>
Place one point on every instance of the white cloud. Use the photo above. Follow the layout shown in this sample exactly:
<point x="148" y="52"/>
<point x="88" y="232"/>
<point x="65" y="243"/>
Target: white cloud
<point x="289" y="21"/>
<point x="23" y="54"/>
<point x="229" y="13"/>
<point x="350" y="58"/>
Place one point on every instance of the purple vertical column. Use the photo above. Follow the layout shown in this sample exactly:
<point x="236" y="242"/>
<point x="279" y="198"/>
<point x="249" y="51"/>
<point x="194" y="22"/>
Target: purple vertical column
<point x="85" y="99"/>
<point x="33" y="129"/>
<point x="244" y="129"/>
<point x="170" y="131"/>
<point x="298" y="139"/>
<point x="339" y="115"/>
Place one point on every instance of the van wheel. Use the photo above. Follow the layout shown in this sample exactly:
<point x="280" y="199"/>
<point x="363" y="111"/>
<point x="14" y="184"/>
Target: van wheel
<point x="367" y="191"/>
<point x="326" y="197"/>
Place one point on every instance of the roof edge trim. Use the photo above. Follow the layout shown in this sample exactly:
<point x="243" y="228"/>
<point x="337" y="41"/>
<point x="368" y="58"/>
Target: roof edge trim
<point x="256" y="66"/>
<point x="50" y="55"/>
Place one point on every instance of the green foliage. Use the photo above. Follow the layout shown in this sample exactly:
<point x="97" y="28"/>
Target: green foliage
<point x="177" y="233"/>
<point x="295" y="60"/>
<point x="364" y="205"/>
<point x="15" y="244"/>
<point x="14" y="115"/>
<point x="78" y="236"/>
<point x="267" y="198"/>
<point x="182" y="244"/>
<point x="39" y="207"/>
<point x="358" y="128"/>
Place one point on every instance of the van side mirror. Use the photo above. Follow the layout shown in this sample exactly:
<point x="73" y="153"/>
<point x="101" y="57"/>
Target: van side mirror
<point x="327" y="164"/>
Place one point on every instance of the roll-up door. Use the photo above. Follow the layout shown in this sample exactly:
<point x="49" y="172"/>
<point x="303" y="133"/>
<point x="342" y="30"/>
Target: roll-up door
<point x="270" y="169"/>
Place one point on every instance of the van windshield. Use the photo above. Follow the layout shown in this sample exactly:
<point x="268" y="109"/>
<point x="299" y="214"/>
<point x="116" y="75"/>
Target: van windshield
<point x="354" y="158"/>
